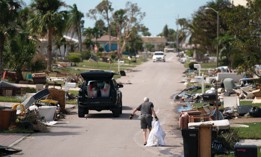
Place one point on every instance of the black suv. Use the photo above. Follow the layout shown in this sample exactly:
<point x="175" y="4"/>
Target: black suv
<point x="99" y="91"/>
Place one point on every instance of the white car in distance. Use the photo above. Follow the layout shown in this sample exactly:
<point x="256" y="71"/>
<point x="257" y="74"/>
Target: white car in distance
<point x="158" y="56"/>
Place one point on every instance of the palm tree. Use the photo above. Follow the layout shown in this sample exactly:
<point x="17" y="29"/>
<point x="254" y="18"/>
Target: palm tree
<point x="119" y="18"/>
<point x="74" y="23"/>
<point x="46" y="21"/>
<point x="105" y="8"/>
<point x="20" y="53"/>
<point x="9" y="13"/>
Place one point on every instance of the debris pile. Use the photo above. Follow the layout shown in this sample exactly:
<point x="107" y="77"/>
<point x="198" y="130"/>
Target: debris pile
<point x="213" y="94"/>
<point x="36" y="113"/>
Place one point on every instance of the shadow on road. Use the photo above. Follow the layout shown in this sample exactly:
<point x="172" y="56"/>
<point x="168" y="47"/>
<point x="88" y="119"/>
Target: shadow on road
<point x="124" y="116"/>
<point x="126" y="108"/>
<point x="58" y="133"/>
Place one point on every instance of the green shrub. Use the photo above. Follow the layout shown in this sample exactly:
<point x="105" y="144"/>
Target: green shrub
<point x="30" y="90"/>
<point x="189" y="53"/>
<point x="38" y="63"/>
<point x="101" y="49"/>
<point x="229" y="138"/>
<point x="113" y="56"/>
<point x="191" y="65"/>
<point x="74" y="57"/>
<point x="86" y="54"/>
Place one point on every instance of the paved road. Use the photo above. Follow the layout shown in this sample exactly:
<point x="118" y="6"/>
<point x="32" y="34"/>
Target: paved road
<point x="102" y="135"/>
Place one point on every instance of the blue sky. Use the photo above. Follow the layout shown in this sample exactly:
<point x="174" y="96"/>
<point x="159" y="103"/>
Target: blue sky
<point x="158" y="12"/>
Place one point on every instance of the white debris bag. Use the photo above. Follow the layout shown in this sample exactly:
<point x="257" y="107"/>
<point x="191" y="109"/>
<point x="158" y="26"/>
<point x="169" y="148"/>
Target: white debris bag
<point x="156" y="136"/>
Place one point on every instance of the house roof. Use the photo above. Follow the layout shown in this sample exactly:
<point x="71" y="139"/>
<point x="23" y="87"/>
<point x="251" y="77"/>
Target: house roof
<point x="105" y="38"/>
<point x="157" y="39"/>
<point x="71" y="39"/>
<point x="67" y="37"/>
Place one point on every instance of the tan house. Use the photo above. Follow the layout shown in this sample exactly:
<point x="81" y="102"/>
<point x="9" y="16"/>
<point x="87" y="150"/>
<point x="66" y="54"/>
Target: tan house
<point x="158" y="42"/>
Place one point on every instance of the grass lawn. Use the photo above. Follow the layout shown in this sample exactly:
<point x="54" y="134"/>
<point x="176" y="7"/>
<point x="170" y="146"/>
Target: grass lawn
<point x="252" y="132"/>
<point x="242" y="103"/>
<point x="92" y="65"/>
<point x="10" y="99"/>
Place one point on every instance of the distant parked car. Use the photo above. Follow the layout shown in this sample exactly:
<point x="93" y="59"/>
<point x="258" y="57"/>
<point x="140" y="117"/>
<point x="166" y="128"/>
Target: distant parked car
<point x="158" y="56"/>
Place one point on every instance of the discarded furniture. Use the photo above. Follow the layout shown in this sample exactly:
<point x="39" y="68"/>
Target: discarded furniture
<point x="35" y="96"/>
<point x="231" y="101"/>
<point x="47" y="112"/>
<point x="220" y="124"/>
<point x="39" y="78"/>
<point x="8" y="117"/>
<point x="229" y="85"/>
<point x="234" y="76"/>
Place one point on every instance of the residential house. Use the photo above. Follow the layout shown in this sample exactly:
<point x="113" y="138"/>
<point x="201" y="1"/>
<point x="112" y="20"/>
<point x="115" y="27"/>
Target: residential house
<point x="157" y="42"/>
<point x="57" y="51"/>
<point x="103" y="41"/>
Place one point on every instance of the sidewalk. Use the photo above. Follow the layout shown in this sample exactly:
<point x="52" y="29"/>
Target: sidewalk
<point x="10" y="139"/>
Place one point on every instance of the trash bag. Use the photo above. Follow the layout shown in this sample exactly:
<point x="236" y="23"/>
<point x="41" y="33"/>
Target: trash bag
<point x="217" y="147"/>
<point x="156" y="136"/>
<point x="255" y="111"/>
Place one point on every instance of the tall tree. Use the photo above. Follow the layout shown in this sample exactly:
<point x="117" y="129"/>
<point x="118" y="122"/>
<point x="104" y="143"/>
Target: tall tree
<point x="88" y="33"/>
<point x="20" y="52"/>
<point x="166" y="32"/>
<point x="100" y="25"/>
<point x="119" y="18"/>
<point x="103" y="11"/>
<point x="182" y="33"/>
<point x="134" y="43"/>
<point x="128" y="21"/>
<point x="46" y="20"/>
<point x="8" y="17"/>
<point x="251" y="43"/>
<point x="74" y="23"/>
<point x="145" y="31"/>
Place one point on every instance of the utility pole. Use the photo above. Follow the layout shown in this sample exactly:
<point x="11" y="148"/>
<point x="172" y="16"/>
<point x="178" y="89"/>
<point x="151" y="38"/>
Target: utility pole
<point x="217" y="54"/>
<point x="177" y="35"/>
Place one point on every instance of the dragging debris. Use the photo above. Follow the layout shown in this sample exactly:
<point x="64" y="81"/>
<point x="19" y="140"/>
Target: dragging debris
<point x="156" y="136"/>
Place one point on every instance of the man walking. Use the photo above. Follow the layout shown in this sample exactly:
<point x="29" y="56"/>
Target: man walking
<point x="147" y="110"/>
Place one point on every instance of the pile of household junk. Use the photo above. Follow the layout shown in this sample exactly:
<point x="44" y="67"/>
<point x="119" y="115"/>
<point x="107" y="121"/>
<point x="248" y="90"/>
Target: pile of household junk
<point x="225" y="88"/>
<point x="40" y="109"/>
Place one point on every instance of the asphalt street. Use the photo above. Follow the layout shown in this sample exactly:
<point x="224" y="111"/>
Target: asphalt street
<point x="102" y="135"/>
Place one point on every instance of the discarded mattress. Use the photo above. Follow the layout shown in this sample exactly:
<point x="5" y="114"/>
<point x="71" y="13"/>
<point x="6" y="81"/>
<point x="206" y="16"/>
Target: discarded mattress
<point x="220" y="124"/>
